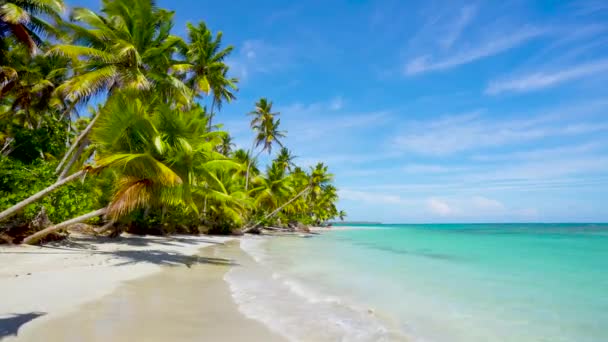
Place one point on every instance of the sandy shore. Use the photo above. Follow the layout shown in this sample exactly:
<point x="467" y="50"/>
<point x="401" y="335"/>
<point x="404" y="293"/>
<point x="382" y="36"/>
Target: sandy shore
<point x="106" y="289"/>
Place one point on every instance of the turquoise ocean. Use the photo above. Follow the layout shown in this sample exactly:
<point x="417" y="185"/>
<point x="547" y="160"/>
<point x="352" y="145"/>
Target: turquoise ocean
<point x="449" y="282"/>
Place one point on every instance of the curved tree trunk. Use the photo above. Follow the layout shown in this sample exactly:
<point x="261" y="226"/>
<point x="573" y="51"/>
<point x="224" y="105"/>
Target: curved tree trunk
<point x="74" y="158"/>
<point x="278" y="209"/>
<point x="76" y="143"/>
<point x="17" y="207"/>
<point x="32" y="239"/>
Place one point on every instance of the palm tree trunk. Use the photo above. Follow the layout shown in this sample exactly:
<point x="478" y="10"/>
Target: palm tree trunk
<point x="32" y="239"/>
<point x="76" y="143"/>
<point x="278" y="209"/>
<point x="211" y="114"/>
<point x="75" y="157"/>
<point x="17" y="207"/>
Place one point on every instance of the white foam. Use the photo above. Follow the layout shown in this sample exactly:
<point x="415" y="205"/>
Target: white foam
<point x="296" y="310"/>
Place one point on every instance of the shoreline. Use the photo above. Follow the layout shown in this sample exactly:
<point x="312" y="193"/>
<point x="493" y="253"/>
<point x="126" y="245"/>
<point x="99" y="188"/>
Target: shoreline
<point x="59" y="283"/>
<point x="41" y="283"/>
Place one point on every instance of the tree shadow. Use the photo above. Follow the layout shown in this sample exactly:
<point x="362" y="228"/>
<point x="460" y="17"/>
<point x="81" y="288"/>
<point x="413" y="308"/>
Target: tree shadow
<point x="9" y="326"/>
<point x="89" y="242"/>
<point x="167" y="258"/>
<point x="151" y="256"/>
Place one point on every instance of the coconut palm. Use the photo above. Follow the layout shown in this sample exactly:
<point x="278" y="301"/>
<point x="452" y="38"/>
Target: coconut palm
<point x="266" y="129"/>
<point x="27" y="94"/>
<point x="285" y="159"/>
<point x="159" y="154"/>
<point x="318" y="180"/>
<point x="24" y="20"/>
<point x="226" y="145"/>
<point x="207" y="68"/>
<point x="270" y="189"/>
<point x="128" y="47"/>
<point x="227" y="203"/>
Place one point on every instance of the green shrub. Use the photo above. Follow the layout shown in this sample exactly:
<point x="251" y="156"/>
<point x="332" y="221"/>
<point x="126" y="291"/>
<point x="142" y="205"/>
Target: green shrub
<point x="19" y="181"/>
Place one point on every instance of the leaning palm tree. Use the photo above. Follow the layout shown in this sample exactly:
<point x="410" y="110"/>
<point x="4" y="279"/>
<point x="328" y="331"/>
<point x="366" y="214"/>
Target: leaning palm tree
<point x="159" y="154"/>
<point x="271" y="189"/>
<point x="318" y="180"/>
<point x="267" y="131"/>
<point x="24" y="20"/>
<point x="127" y="48"/>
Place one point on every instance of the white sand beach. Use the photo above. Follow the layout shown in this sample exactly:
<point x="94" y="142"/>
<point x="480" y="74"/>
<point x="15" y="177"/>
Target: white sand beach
<point x="45" y="288"/>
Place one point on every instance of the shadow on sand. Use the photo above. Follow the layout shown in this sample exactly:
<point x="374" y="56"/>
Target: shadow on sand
<point x="86" y="245"/>
<point x="9" y="326"/>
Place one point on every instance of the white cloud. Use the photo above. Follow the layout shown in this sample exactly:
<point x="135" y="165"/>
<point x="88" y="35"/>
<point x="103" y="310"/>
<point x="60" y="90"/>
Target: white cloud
<point x="465" y="16"/>
<point x="491" y="47"/>
<point x="540" y="80"/>
<point x="439" y="207"/>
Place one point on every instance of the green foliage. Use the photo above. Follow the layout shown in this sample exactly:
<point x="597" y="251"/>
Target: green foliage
<point x="153" y="157"/>
<point x="46" y="141"/>
<point x="18" y="181"/>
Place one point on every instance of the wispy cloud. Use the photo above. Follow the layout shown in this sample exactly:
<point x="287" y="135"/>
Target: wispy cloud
<point x="540" y="80"/>
<point x="336" y="103"/>
<point x="440" y="207"/>
<point x="259" y="56"/>
<point x="372" y="197"/>
<point x="472" y="131"/>
<point x="308" y="122"/>
<point x="426" y="168"/>
<point x="490" y="47"/>
<point x="544" y="153"/>
<point x="465" y="16"/>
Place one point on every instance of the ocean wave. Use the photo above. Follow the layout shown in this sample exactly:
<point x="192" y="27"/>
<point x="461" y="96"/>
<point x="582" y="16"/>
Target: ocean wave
<point x="296" y="310"/>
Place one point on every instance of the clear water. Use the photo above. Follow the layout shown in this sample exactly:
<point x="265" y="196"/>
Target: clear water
<point x="541" y="282"/>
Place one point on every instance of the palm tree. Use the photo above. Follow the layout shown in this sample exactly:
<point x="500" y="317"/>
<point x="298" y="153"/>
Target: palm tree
<point x="223" y="88"/>
<point x="208" y="71"/>
<point x="129" y="47"/>
<point x="318" y="180"/>
<point x="226" y="145"/>
<point x="158" y="153"/>
<point x="28" y="91"/>
<point x="342" y="215"/>
<point x="24" y="21"/>
<point x="267" y="130"/>
<point x="270" y="189"/>
<point x="227" y="203"/>
<point x="285" y="159"/>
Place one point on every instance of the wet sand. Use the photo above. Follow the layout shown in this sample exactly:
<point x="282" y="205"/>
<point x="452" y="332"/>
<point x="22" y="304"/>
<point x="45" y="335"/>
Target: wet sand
<point x="180" y="303"/>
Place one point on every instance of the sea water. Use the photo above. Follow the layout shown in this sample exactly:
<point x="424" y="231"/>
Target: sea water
<point x="480" y="282"/>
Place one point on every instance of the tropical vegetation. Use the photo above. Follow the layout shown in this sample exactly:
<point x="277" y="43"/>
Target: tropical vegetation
<point x="109" y="118"/>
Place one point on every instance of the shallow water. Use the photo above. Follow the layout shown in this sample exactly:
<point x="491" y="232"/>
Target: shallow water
<point x="431" y="283"/>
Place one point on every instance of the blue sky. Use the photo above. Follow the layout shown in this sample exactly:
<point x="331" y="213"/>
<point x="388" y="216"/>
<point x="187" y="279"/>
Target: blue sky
<point x="440" y="111"/>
